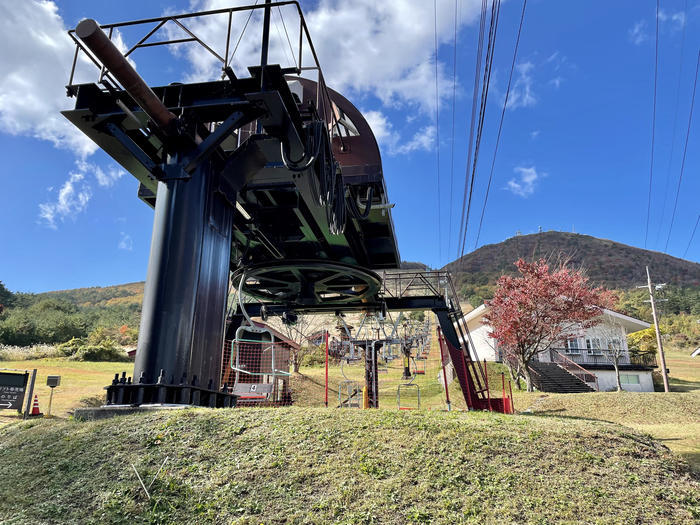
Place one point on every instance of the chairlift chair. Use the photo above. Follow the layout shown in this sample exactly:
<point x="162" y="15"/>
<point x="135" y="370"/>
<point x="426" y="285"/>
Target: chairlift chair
<point x="405" y="387"/>
<point x="419" y="369"/>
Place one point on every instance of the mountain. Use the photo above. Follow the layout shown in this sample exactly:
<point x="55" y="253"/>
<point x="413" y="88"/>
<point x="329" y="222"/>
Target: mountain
<point x="98" y="296"/>
<point x="607" y="263"/>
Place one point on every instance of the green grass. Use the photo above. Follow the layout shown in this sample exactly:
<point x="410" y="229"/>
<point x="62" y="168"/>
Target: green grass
<point x="79" y="380"/>
<point x="310" y="465"/>
<point x="684" y="371"/>
<point x="673" y="418"/>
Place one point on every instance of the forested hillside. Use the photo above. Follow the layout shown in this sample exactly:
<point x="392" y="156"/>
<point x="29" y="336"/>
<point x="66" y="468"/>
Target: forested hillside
<point x="607" y="263"/>
<point x="111" y="312"/>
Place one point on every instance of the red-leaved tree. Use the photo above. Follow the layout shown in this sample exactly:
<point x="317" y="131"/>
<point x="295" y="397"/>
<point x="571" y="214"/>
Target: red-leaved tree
<point x="530" y="313"/>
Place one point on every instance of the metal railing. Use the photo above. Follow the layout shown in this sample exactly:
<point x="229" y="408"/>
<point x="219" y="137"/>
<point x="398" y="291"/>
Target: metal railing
<point x="412" y="283"/>
<point x="602" y="357"/>
<point x="324" y="104"/>
<point x="574" y="368"/>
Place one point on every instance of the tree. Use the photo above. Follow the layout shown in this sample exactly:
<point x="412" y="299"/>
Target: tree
<point x="611" y="334"/>
<point x="530" y="313"/>
<point x="7" y="298"/>
<point x="300" y="332"/>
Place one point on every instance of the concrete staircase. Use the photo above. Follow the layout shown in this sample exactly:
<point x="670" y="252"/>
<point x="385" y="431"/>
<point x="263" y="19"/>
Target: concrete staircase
<point x="550" y="377"/>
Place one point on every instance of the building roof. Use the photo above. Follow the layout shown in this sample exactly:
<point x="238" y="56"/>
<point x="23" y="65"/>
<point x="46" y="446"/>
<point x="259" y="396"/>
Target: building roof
<point x="630" y="324"/>
<point x="279" y="336"/>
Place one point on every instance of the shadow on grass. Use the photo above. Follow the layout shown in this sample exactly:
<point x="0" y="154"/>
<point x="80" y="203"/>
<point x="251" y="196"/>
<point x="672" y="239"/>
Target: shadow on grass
<point x="681" y="385"/>
<point x="556" y="413"/>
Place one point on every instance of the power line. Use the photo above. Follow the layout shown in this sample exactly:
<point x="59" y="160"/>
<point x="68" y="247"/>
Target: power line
<point x="437" y="132"/>
<point x="675" y="125"/>
<point x="685" y="150"/>
<point x="691" y="237"/>
<point x="500" y="125"/>
<point x="495" y="7"/>
<point x="653" y="123"/>
<point x="452" y="142"/>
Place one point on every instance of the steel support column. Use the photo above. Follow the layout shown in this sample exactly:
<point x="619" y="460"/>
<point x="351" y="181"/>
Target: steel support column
<point x="182" y="321"/>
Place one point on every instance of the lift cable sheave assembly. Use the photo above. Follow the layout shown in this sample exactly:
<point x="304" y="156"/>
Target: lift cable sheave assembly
<point x="274" y="176"/>
<point x="270" y="182"/>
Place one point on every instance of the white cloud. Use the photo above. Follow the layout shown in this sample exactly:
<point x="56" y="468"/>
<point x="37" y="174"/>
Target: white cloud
<point x="390" y="141"/>
<point x="76" y="192"/>
<point x="534" y="134"/>
<point x="422" y="140"/>
<point x="554" y="56"/>
<point x="522" y="95"/>
<point x="72" y="199"/>
<point x="104" y="179"/>
<point x="125" y="242"/>
<point x="637" y="34"/>
<point x="524" y="183"/>
<point x="556" y="82"/>
<point x="33" y="73"/>
<point x="676" y="20"/>
<point x="365" y="47"/>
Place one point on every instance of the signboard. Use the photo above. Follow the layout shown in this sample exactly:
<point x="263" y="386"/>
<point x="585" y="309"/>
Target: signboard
<point x="53" y="381"/>
<point x="260" y="389"/>
<point x="12" y="388"/>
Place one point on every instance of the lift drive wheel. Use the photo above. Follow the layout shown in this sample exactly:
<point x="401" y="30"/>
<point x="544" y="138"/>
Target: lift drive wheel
<point x="308" y="282"/>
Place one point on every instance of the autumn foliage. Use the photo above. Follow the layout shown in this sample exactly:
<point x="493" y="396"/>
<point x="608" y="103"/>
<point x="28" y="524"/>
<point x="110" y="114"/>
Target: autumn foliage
<point x="543" y="306"/>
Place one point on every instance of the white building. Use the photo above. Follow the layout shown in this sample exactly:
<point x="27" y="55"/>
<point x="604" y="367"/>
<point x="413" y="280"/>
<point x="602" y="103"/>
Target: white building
<point x="585" y="355"/>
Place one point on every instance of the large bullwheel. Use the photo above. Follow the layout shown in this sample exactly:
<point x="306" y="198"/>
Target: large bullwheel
<point x="308" y="282"/>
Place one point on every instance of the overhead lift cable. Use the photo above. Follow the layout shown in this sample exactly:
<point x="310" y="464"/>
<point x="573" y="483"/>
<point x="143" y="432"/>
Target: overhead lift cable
<point x="495" y="8"/>
<point x="452" y="142"/>
<point x="675" y="126"/>
<point x="685" y="151"/>
<point x="653" y="123"/>
<point x="500" y="125"/>
<point x="437" y="132"/>
<point x="477" y="71"/>
<point x="691" y="237"/>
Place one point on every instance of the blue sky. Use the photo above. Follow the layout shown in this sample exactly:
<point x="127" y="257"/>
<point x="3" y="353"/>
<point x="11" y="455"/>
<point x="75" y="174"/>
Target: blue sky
<point x="574" y="154"/>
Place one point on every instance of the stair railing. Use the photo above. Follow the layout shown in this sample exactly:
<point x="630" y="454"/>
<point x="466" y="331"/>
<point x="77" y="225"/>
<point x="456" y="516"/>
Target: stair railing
<point x="574" y="368"/>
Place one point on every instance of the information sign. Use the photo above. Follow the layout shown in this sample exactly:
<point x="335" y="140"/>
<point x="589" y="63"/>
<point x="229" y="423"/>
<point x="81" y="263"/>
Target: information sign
<point x="12" y="388"/>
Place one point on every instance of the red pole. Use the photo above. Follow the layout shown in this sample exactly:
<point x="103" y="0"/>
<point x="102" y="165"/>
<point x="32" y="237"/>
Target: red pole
<point x="503" y="384"/>
<point x="326" y="399"/>
<point x="488" y="391"/>
<point x="510" y="388"/>
<point x="470" y="403"/>
<point x="444" y="372"/>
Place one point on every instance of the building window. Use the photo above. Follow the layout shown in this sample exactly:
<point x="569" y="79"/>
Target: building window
<point x="614" y="344"/>
<point x="572" y="346"/>
<point x="629" y="379"/>
<point x="593" y="346"/>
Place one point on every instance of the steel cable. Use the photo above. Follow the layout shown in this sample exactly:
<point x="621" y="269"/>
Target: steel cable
<point x="500" y="125"/>
<point x="685" y="151"/>
<point x="477" y="71"/>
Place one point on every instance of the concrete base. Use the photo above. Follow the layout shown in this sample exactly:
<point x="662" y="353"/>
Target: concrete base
<point x="108" y="411"/>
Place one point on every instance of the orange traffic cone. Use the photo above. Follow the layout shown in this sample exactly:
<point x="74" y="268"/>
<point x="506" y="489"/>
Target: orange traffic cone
<point x="35" y="407"/>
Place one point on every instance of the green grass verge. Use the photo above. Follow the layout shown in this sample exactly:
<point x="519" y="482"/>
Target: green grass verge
<point x="307" y="465"/>
<point x="79" y="380"/>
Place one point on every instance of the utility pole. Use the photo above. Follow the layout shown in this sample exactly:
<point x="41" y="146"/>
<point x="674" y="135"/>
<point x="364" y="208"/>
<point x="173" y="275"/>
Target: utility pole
<point x="658" y="333"/>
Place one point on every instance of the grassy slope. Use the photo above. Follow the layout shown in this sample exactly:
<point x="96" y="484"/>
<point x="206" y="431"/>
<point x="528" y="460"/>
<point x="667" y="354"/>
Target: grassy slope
<point x="305" y="465"/>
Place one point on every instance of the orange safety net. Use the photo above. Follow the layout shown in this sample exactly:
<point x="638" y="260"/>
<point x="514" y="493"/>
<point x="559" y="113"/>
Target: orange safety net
<point x="257" y="372"/>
